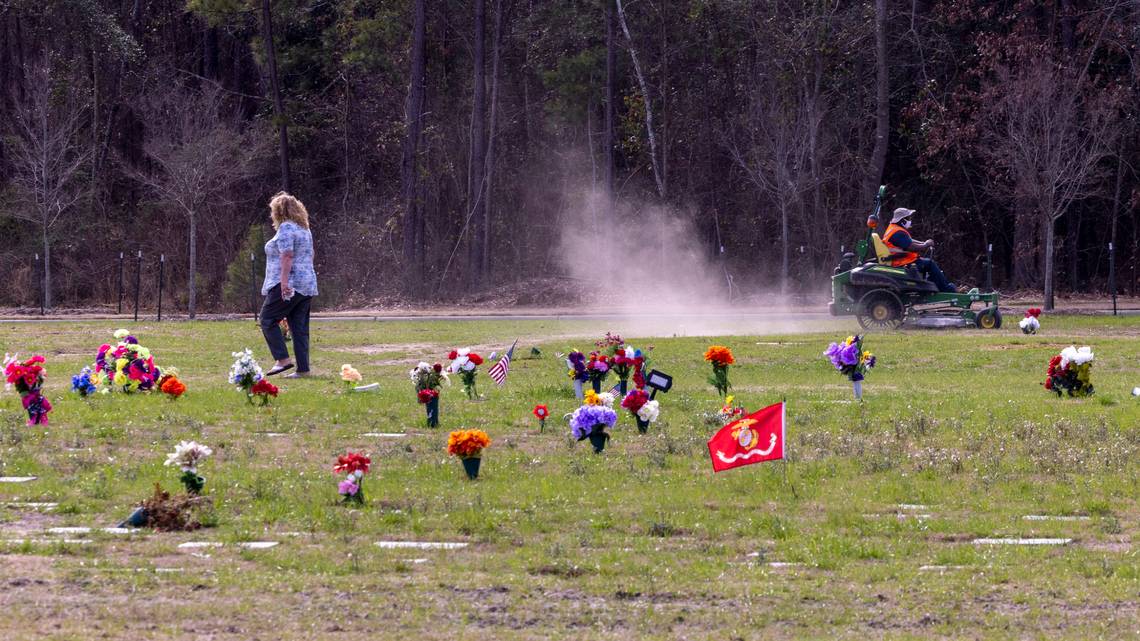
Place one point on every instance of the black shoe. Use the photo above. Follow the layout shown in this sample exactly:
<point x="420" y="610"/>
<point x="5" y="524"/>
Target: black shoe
<point x="277" y="369"/>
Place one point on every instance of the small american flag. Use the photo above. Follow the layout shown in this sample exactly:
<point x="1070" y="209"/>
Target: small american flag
<point x="498" y="373"/>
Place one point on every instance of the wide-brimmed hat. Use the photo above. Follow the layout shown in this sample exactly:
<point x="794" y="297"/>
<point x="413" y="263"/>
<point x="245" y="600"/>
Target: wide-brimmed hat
<point x="900" y="214"/>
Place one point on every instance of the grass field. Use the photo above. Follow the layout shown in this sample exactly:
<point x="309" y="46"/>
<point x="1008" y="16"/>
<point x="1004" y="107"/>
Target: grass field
<point x="642" y="541"/>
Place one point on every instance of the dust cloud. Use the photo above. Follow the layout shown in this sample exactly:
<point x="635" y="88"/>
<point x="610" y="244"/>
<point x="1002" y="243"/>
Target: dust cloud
<point x="656" y="274"/>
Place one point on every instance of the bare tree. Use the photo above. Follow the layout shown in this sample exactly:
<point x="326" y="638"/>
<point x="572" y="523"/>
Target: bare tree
<point x="654" y="163"/>
<point x="46" y="160"/>
<point x="1050" y="141"/>
<point x="413" y="240"/>
<point x="882" y="99"/>
<point x="275" y="89"/>
<point x="772" y="150"/>
<point x="196" y="150"/>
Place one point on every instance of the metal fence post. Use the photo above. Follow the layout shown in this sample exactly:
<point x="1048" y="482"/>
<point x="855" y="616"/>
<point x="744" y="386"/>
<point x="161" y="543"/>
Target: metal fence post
<point x="40" y="277"/>
<point x="253" y="285"/>
<point x="161" y="270"/>
<point x="120" y="283"/>
<point x="990" y="267"/>
<point x="1112" y="275"/>
<point x="138" y="282"/>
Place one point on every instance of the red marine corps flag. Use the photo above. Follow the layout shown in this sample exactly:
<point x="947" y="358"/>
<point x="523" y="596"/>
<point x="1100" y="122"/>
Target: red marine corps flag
<point x="755" y="438"/>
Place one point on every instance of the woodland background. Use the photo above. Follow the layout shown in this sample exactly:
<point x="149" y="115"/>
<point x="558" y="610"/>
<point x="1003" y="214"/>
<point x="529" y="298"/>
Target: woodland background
<point x="451" y="148"/>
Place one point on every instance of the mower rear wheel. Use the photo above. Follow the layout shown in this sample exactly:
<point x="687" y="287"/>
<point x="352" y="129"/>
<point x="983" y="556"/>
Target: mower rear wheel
<point x="989" y="318"/>
<point x="880" y="310"/>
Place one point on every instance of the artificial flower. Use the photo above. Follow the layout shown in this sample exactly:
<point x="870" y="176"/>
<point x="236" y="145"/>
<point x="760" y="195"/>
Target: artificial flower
<point x="187" y="455"/>
<point x="351" y="463"/>
<point x="591" y="419"/>
<point x="171" y="386"/>
<point x="467" y="443"/>
<point x="349" y="374"/>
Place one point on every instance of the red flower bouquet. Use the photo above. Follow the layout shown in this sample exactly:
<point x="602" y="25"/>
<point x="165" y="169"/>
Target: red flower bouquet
<point x="355" y="466"/>
<point x="264" y="389"/>
<point x="28" y="379"/>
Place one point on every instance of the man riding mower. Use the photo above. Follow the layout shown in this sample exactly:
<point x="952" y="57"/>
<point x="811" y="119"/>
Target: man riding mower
<point x="886" y="283"/>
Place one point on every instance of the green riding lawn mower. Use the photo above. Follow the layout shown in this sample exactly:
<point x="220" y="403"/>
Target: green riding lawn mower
<point x="881" y="296"/>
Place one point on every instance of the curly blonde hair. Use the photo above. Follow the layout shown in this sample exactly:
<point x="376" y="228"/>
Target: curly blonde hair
<point x="285" y="207"/>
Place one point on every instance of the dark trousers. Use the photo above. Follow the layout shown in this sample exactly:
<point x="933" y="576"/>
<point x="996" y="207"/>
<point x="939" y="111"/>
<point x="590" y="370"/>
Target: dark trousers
<point x="296" y="311"/>
<point x="930" y="270"/>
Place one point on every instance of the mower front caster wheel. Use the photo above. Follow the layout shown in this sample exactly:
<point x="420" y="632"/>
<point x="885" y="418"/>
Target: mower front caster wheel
<point x="989" y="318"/>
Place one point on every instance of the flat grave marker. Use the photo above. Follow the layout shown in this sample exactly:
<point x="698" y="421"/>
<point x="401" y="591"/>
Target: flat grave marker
<point x="1017" y="541"/>
<point x="421" y="545"/>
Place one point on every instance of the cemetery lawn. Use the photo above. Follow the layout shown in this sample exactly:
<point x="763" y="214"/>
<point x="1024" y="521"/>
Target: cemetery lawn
<point x="870" y="535"/>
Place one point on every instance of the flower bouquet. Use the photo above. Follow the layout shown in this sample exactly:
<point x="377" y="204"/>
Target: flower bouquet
<point x="1071" y="372"/>
<point x="464" y="362"/>
<point x="627" y="362"/>
<point x="850" y="360"/>
<point x="170" y="385"/>
<point x="1030" y="324"/>
<point x="541" y="413"/>
<point x="350" y="376"/>
<point x="245" y="373"/>
<point x="428" y="379"/>
<point x="576" y="362"/>
<point x="729" y="412"/>
<point x="644" y="409"/>
<point x="598" y="368"/>
<point x="28" y="379"/>
<point x="355" y="465"/>
<point x="468" y="445"/>
<point x="127" y="365"/>
<point x="87" y="382"/>
<point x="263" y="389"/>
<point x="591" y="420"/>
<point x="720" y="357"/>
<point x="187" y="455"/>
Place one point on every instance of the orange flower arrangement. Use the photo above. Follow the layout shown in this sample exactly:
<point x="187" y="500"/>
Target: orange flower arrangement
<point x="467" y="443"/>
<point x="719" y="356"/>
<point x="171" y="386"/>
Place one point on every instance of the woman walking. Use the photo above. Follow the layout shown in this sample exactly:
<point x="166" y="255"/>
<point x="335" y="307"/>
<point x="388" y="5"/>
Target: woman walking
<point x="290" y="284"/>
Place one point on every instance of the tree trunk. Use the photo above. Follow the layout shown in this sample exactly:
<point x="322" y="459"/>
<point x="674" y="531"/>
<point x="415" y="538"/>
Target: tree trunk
<point x="488" y="201"/>
<point x="475" y="184"/>
<point x="275" y="87"/>
<point x="882" y="100"/>
<point x="409" y="168"/>
<point x="610" y="106"/>
<point x="192" y="297"/>
<point x="648" y="104"/>
<point x="785" y="247"/>
<point x="47" y="266"/>
<point x="1050" y="223"/>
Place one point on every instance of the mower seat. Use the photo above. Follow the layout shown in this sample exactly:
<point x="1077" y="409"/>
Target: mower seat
<point x="882" y="252"/>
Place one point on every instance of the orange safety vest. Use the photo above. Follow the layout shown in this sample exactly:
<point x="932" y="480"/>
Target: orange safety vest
<point x="902" y="257"/>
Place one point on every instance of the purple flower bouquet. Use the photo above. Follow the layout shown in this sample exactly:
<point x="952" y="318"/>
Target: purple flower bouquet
<point x="851" y="360"/>
<point x="591" y="421"/>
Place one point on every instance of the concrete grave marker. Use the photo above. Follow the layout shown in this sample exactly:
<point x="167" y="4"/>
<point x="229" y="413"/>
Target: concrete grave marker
<point x="17" y="479"/>
<point x="421" y="545"/>
<point x="1013" y="541"/>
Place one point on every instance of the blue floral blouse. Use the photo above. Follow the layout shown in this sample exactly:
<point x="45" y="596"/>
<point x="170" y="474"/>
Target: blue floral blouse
<point x="291" y="238"/>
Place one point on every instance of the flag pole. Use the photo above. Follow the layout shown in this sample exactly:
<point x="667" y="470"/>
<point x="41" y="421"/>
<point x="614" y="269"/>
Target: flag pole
<point x="787" y="480"/>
